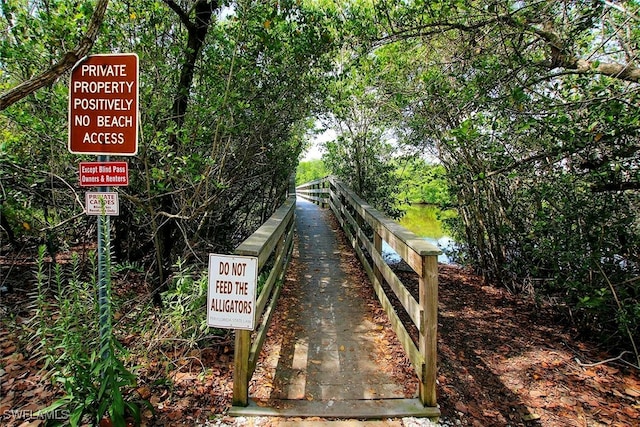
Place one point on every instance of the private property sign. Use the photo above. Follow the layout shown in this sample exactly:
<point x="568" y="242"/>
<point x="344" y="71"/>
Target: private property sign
<point x="103" y="174"/>
<point x="231" y="298"/>
<point x="102" y="203"/>
<point x="103" y="105"/>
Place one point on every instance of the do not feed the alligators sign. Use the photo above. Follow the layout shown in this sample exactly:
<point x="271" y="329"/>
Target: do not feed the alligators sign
<point x="231" y="298"/>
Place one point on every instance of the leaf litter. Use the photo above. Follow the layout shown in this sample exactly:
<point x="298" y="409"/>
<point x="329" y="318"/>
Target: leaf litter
<point x="503" y="360"/>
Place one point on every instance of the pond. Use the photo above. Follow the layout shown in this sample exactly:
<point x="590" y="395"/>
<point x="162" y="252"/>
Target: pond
<point x="424" y="221"/>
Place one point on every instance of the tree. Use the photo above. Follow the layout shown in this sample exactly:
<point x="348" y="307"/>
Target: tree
<point x="530" y="107"/>
<point x="361" y="154"/>
<point x="310" y="170"/>
<point x="214" y="159"/>
<point x="33" y="83"/>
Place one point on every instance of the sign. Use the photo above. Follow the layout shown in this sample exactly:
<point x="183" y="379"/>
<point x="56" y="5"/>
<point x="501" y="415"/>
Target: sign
<point x="103" y="174"/>
<point x="231" y="299"/>
<point x="103" y="105"/>
<point x="102" y="203"/>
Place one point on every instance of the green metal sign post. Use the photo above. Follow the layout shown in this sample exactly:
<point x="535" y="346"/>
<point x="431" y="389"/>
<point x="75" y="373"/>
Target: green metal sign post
<point x="103" y="120"/>
<point x="104" y="274"/>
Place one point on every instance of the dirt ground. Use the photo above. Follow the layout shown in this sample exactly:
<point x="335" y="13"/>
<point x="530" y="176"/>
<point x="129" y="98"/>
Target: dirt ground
<point x="503" y="361"/>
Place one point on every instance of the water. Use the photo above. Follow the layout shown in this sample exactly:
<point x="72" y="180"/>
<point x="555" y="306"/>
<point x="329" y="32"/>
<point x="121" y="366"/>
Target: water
<point x="423" y="221"/>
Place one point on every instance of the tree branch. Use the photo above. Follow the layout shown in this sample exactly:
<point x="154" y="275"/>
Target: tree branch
<point x="615" y="186"/>
<point x="560" y="57"/>
<point x="66" y="63"/>
<point x="184" y="17"/>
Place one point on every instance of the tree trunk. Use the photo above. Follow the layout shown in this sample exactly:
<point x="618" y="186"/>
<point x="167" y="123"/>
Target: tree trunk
<point x="197" y="32"/>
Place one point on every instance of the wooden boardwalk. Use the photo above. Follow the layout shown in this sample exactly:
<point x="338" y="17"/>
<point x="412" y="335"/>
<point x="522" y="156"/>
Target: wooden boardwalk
<point x="324" y="356"/>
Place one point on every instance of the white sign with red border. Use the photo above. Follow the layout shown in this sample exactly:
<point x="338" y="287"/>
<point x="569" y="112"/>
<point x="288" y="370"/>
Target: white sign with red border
<point x="102" y="203"/>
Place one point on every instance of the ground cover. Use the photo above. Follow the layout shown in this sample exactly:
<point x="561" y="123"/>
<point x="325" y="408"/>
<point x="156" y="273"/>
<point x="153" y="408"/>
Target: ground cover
<point x="504" y="360"/>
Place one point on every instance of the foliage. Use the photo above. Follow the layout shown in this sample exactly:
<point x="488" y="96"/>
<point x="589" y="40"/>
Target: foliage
<point x="310" y="170"/>
<point x="422" y="182"/>
<point x="530" y="107"/>
<point x="361" y="155"/>
<point x="185" y="306"/>
<point x="200" y="184"/>
<point x="92" y="380"/>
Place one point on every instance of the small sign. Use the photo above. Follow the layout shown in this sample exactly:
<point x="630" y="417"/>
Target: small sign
<point x="103" y="105"/>
<point x="103" y="174"/>
<point x="102" y="203"/>
<point x="231" y="299"/>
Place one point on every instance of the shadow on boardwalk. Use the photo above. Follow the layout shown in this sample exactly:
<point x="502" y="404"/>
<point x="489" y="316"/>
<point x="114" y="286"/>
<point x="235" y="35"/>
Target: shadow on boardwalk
<point x="503" y="360"/>
<point x="330" y="341"/>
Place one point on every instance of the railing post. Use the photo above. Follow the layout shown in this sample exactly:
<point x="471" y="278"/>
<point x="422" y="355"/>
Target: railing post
<point x="291" y="190"/>
<point x="429" y="328"/>
<point x="325" y="202"/>
<point x="377" y="244"/>
<point x="241" y="368"/>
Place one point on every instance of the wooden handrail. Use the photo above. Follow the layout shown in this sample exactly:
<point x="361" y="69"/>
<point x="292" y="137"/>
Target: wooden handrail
<point x="352" y="214"/>
<point x="272" y="244"/>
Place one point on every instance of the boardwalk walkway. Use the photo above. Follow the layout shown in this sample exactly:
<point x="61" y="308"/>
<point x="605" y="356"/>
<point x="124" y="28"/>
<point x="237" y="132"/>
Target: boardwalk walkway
<point x="326" y="353"/>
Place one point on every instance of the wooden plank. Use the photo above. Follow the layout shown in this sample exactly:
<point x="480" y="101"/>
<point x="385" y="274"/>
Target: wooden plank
<point x="261" y="332"/>
<point x="336" y="211"/>
<point x="409" y="246"/>
<point x="339" y="409"/>
<point x="428" y="339"/>
<point x="420" y="255"/>
<point x="404" y="296"/>
<point x="241" y="368"/>
<point x="416" y="358"/>
<point x="313" y="191"/>
<point x="337" y="204"/>
<point x="408" y="301"/>
<point x="312" y="183"/>
<point x="264" y="296"/>
<point x="261" y="243"/>
<point x="377" y="252"/>
<point x="274" y="274"/>
<point x="316" y="200"/>
<point x="351" y="220"/>
<point x="275" y="278"/>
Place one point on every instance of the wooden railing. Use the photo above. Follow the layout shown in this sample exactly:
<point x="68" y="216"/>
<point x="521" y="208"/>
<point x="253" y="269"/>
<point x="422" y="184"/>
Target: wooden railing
<point x="272" y="244"/>
<point x="366" y="228"/>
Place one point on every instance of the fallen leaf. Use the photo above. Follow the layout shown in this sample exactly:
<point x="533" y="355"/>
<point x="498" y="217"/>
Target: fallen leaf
<point x="9" y="350"/>
<point x="174" y="415"/>
<point x="632" y="392"/>
<point x="461" y="407"/>
<point x="537" y="393"/>
<point x="144" y="392"/>
<point x="632" y="413"/>
<point x="490" y="414"/>
<point x="530" y="417"/>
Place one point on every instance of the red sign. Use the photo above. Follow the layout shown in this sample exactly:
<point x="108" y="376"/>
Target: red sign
<point x="103" y="105"/>
<point x="103" y="174"/>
